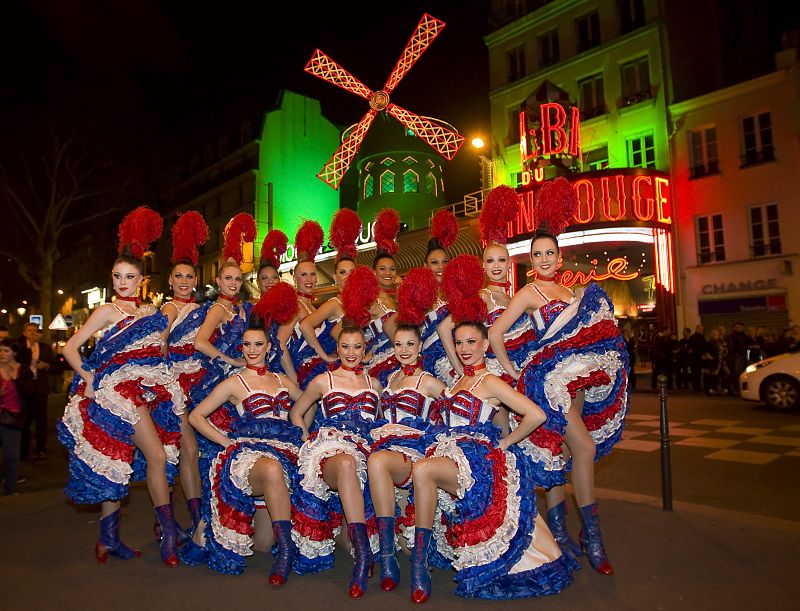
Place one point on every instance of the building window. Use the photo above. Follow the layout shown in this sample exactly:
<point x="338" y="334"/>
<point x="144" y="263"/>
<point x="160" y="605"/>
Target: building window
<point x="369" y="187"/>
<point x="765" y="235"/>
<point x="387" y="162"/>
<point x="387" y="182"/>
<point x="410" y="182"/>
<point x="430" y="184"/>
<point x="757" y="146"/>
<point x="587" y="30"/>
<point x="245" y="131"/>
<point x="593" y="101"/>
<point x="635" y="81"/>
<point x="409" y="160"/>
<point x="710" y="239"/>
<point x="703" y="152"/>
<point x="642" y="152"/>
<point x="223" y="145"/>
<point x="515" y="62"/>
<point x="596" y="159"/>
<point x="631" y="15"/>
<point x="208" y="155"/>
<point x="549" y="52"/>
<point x="513" y="127"/>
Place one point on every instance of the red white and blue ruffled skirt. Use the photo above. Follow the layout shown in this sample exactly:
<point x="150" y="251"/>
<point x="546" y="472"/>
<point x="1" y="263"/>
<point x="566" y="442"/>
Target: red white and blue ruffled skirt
<point x="317" y="510"/>
<point x="500" y="546"/>
<point x="582" y="349"/>
<point x="229" y="515"/>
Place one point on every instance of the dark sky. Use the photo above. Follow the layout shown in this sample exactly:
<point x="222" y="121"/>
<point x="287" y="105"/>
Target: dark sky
<point x="157" y="73"/>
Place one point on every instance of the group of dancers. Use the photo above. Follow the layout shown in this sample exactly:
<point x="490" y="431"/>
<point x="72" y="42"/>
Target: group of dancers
<point x="418" y="414"/>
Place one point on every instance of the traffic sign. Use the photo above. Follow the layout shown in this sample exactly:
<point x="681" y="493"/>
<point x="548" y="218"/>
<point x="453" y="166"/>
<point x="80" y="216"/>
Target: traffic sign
<point x="58" y="324"/>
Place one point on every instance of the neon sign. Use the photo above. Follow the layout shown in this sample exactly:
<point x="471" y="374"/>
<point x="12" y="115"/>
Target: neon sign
<point x="552" y="135"/>
<point x="615" y="270"/>
<point x="607" y="197"/>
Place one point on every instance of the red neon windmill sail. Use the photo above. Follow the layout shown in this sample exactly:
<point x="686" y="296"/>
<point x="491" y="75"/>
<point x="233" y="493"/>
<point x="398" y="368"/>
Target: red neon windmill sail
<point x="441" y="138"/>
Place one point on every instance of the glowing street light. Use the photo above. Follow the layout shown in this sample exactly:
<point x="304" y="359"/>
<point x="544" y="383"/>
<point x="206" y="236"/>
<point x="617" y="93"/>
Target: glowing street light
<point x="478" y="142"/>
<point x="60" y="292"/>
<point x="21" y="311"/>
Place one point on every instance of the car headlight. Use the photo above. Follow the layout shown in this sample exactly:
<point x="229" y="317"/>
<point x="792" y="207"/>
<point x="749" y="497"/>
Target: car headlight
<point x="755" y="367"/>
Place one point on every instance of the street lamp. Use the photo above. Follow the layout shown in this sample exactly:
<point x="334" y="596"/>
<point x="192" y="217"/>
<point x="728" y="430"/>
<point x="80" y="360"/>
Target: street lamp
<point x="486" y="165"/>
<point x="21" y="311"/>
<point x="60" y="292"/>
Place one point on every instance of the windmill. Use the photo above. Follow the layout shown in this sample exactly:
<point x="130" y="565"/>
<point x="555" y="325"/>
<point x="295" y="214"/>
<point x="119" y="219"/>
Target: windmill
<point x="442" y="139"/>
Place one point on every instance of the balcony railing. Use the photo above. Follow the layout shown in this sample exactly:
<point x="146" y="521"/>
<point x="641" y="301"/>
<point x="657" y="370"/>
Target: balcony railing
<point x="637" y="97"/>
<point x="765" y="249"/>
<point x="756" y="156"/>
<point x="708" y="169"/>
<point x="711" y="256"/>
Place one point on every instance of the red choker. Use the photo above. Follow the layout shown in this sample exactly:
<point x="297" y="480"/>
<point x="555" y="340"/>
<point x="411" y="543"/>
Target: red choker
<point x="506" y="285"/>
<point x="469" y="370"/>
<point x="309" y="296"/>
<point x="135" y="300"/>
<point x="234" y="299"/>
<point x="553" y="278"/>
<point x="391" y="291"/>
<point x="262" y="371"/>
<point x="358" y="369"/>
<point x="178" y="299"/>
<point x="410" y="369"/>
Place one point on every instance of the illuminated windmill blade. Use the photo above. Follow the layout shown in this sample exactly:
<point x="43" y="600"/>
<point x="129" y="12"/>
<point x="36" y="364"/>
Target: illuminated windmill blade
<point x="444" y="140"/>
<point x="428" y="28"/>
<point x="337" y="165"/>
<point x="324" y="67"/>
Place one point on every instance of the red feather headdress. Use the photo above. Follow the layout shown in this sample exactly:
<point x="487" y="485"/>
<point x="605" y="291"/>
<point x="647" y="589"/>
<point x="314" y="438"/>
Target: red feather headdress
<point x="358" y="294"/>
<point x="277" y="304"/>
<point x="416" y="295"/>
<point x="274" y="245"/>
<point x="499" y="209"/>
<point x="386" y="228"/>
<point x="345" y="229"/>
<point x="188" y="233"/>
<point x="462" y="282"/>
<point x="138" y="230"/>
<point x="556" y="204"/>
<point x="239" y="230"/>
<point x="444" y="228"/>
<point x="307" y="241"/>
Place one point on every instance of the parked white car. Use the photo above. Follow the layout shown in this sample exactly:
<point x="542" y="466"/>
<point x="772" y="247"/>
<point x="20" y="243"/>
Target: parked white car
<point x="775" y="381"/>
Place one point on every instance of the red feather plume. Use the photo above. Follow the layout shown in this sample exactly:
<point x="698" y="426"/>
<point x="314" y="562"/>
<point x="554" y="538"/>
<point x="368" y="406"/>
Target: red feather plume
<point x="139" y="229"/>
<point x="416" y="295"/>
<point x="345" y="229"/>
<point x="359" y="292"/>
<point x="499" y="209"/>
<point x="240" y="229"/>
<point x="188" y="233"/>
<point x="556" y="204"/>
<point x="277" y="304"/>
<point x="274" y="245"/>
<point x="444" y="227"/>
<point x="385" y="230"/>
<point x="308" y="240"/>
<point x="462" y="282"/>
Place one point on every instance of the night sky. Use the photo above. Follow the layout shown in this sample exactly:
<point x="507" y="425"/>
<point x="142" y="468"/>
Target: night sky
<point x="168" y="74"/>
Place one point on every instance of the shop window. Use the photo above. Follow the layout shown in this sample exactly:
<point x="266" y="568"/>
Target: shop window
<point x="765" y="235"/>
<point x="387" y="182"/>
<point x="410" y="182"/>
<point x="635" y="81"/>
<point x="631" y="15"/>
<point x="642" y="151"/>
<point x="549" y="52"/>
<point x="587" y="30"/>
<point x="430" y="184"/>
<point x="703" y="152"/>
<point x="596" y="159"/>
<point x="710" y="239"/>
<point x="593" y="101"/>
<point x="757" y="145"/>
<point x="369" y="187"/>
<point x="515" y="64"/>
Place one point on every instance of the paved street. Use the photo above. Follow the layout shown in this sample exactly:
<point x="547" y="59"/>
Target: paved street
<point x="731" y="541"/>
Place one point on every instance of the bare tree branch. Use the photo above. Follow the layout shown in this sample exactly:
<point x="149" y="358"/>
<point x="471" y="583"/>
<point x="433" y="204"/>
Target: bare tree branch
<point x="24" y="268"/>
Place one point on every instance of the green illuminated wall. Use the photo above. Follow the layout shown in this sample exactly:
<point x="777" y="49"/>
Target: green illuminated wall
<point x="295" y="143"/>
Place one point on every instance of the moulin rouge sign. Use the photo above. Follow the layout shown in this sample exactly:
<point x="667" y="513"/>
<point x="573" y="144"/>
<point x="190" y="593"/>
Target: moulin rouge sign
<point x="607" y="196"/>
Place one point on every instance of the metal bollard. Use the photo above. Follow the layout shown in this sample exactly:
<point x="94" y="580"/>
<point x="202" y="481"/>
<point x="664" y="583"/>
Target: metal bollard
<point x="666" y="467"/>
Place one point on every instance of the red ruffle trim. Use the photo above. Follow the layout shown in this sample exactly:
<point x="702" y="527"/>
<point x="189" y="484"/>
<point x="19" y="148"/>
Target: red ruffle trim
<point x="102" y="441"/>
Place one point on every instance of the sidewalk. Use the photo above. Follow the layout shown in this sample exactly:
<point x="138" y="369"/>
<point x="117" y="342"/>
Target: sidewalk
<point x="692" y="558"/>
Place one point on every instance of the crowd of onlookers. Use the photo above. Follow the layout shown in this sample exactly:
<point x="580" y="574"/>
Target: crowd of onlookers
<point x="710" y="363"/>
<point x="29" y="371"/>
